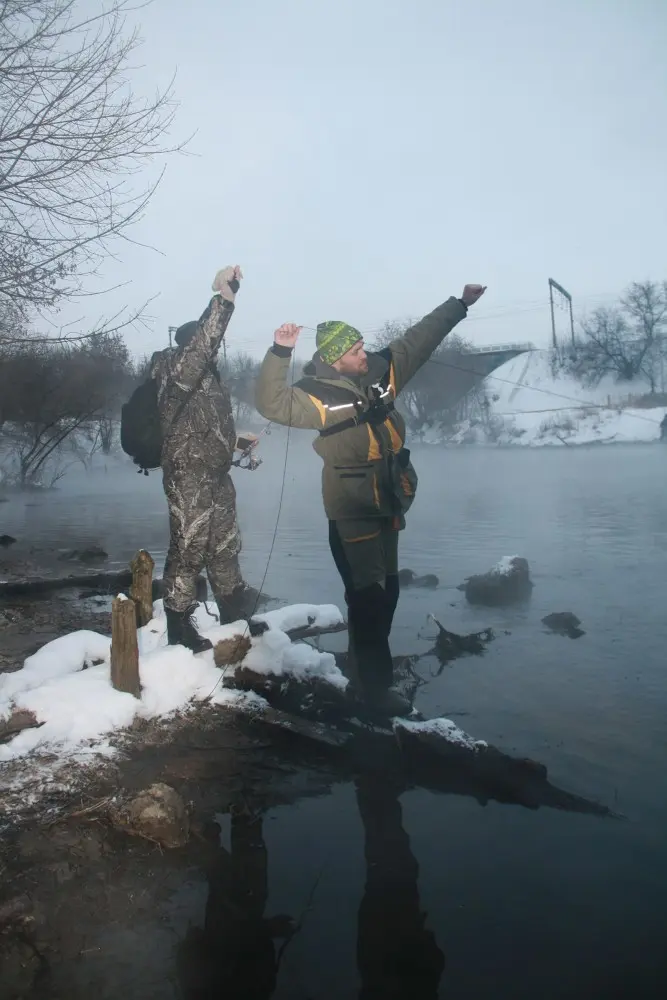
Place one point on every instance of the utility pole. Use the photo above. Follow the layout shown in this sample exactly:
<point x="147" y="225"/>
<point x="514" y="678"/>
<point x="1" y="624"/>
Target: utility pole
<point x="566" y="295"/>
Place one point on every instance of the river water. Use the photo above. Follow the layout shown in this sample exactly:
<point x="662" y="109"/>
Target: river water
<point x="517" y="903"/>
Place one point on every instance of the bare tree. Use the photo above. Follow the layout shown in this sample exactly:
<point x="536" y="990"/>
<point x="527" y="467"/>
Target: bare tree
<point x="72" y="134"/>
<point x="51" y="393"/>
<point x="626" y="341"/>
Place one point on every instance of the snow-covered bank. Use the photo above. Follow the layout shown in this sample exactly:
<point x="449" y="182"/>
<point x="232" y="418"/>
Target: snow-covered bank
<point x="67" y="685"/>
<point x="530" y="406"/>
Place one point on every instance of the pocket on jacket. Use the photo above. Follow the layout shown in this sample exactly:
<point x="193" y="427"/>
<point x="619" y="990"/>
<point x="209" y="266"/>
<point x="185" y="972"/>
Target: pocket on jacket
<point x="352" y="491"/>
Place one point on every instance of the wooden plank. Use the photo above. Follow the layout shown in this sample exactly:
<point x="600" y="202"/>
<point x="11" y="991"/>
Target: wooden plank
<point x="124" y="647"/>
<point x="141" y="589"/>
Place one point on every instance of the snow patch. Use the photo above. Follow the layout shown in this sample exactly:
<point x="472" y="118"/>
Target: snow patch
<point x="532" y="407"/>
<point x="301" y="615"/>
<point x="67" y="683"/>
<point x="505" y="566"/>
<point x="274" y="653"/>
<point x="444" y="728"/>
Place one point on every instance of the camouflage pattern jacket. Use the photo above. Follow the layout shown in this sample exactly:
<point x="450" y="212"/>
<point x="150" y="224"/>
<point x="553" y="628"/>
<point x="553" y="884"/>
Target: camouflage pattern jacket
<point x="194" y="404"/>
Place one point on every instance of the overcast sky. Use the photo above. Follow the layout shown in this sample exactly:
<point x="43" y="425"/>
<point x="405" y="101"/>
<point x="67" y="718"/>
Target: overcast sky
<point x="363" y="160"/>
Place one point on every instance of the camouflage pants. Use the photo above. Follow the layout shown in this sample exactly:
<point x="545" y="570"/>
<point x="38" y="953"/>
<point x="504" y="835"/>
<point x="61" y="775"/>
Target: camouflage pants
<point x="204" y="534"/>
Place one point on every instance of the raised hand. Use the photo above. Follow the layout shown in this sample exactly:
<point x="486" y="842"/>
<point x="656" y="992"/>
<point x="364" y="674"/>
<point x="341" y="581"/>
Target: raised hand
<point x="226" y="282"/>
<point x="287" y="335"/>
<point x="471" y="293"/>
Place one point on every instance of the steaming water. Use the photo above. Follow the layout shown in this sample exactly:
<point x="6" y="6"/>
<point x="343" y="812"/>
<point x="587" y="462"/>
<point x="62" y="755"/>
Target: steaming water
<point x="522" y="904"/>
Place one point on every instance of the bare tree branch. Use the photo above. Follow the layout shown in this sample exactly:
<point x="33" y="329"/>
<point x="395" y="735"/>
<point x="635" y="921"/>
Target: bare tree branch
<point x="626" y="341"/>
<point x="73" y="135"/>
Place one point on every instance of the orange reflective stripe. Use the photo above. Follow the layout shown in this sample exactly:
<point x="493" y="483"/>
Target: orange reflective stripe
<point x="320" y="407"/>
<point x="392" y="378"/>
<point x="374" y="452"/>
<point x="362" y="538"/>
<point x="396" y="440"/>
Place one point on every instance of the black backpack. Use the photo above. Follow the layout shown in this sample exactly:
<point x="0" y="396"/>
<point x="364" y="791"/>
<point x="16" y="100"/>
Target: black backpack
<point x="140" y="432"/>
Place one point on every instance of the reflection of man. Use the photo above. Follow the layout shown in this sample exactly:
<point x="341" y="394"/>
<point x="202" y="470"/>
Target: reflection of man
<point x="199" y="440"/>
<point x="368" y="482"/>
<point x="235" y="955"/>
<point x="397" y="956"/>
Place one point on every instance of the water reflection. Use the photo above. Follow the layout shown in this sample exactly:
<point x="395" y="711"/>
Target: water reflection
<point x="235" y="953"/>
<point x="397" y="955"/>
<point x="239" y="950"/>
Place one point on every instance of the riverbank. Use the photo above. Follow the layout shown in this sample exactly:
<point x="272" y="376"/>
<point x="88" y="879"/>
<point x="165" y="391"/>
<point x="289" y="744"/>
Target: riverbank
<point x="533" y="404"/>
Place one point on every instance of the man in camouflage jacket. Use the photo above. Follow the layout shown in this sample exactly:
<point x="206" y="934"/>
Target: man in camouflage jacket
<point x="199" y="440"/>
<point x="368" y="482"/>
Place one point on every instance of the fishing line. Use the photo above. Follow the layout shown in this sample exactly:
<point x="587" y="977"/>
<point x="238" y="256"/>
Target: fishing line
<point x="275" y="531"/>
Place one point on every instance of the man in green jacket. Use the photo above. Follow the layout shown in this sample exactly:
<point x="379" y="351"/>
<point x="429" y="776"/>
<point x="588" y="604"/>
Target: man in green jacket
<point x="368" y="482"/>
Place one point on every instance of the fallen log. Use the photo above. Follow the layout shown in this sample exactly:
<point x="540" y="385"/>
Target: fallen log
<point x="312" y="698"/>
<point x="98" y="584"/>
<point x="307" y="729"/>
<point x="443" y="758"/>
<point x="313" y="631"/>
<point x="433" y="754"/>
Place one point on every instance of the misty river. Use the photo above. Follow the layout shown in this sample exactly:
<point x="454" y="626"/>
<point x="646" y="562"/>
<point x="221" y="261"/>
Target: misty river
<point x="522" y="904"/>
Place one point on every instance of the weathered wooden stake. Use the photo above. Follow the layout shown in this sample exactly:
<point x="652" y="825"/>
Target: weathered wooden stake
<point x="141" y="590"/>
<point x="124" y="648"/>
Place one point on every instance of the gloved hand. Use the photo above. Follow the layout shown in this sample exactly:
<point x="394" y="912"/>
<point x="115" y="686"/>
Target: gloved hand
<point x="227" y="282"/>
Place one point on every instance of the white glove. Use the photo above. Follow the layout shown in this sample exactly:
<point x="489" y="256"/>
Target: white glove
<point x="226" y="282"/>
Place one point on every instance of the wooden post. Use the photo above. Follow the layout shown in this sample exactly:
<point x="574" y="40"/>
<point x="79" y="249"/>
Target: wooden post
<point x="141" y="590"/>
<point x="124" y="648"/>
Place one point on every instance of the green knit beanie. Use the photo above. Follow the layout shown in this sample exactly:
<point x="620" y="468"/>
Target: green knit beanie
<point x="334" y="339"/>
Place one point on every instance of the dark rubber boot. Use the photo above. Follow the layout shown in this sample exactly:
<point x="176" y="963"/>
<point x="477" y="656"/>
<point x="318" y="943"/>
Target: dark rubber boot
<point x="182" y="631"/>
<point x="369" y="619"/>
<point x="231" y="607"/>
<point x="392" y="590"/>
<point x="234" y="607"/>
<point x="388" y="704"/>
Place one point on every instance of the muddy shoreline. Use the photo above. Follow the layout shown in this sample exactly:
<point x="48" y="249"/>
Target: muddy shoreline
<point x="77" y="880"/>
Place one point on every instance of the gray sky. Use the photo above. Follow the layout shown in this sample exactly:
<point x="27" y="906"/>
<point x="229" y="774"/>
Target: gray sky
<point x="362" y="161"/>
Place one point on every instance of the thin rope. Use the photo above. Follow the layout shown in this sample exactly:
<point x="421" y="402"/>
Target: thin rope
<point x="275" y="534"/>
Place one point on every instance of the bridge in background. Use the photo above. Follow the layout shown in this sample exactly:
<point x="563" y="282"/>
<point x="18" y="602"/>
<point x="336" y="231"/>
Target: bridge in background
<point x="486" y="359"/>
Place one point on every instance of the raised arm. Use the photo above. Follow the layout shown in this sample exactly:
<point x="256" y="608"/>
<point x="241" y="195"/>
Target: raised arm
<point x="274" y="398"/>
<point x="191" y="362"/>
<point x="416" y="346"/>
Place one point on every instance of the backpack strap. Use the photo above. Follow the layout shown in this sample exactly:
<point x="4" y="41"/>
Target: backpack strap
<point x="338" y="398"/>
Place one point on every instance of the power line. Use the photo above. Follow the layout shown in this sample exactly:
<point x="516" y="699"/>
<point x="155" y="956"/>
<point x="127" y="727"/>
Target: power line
<point x="582" y="404"/>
